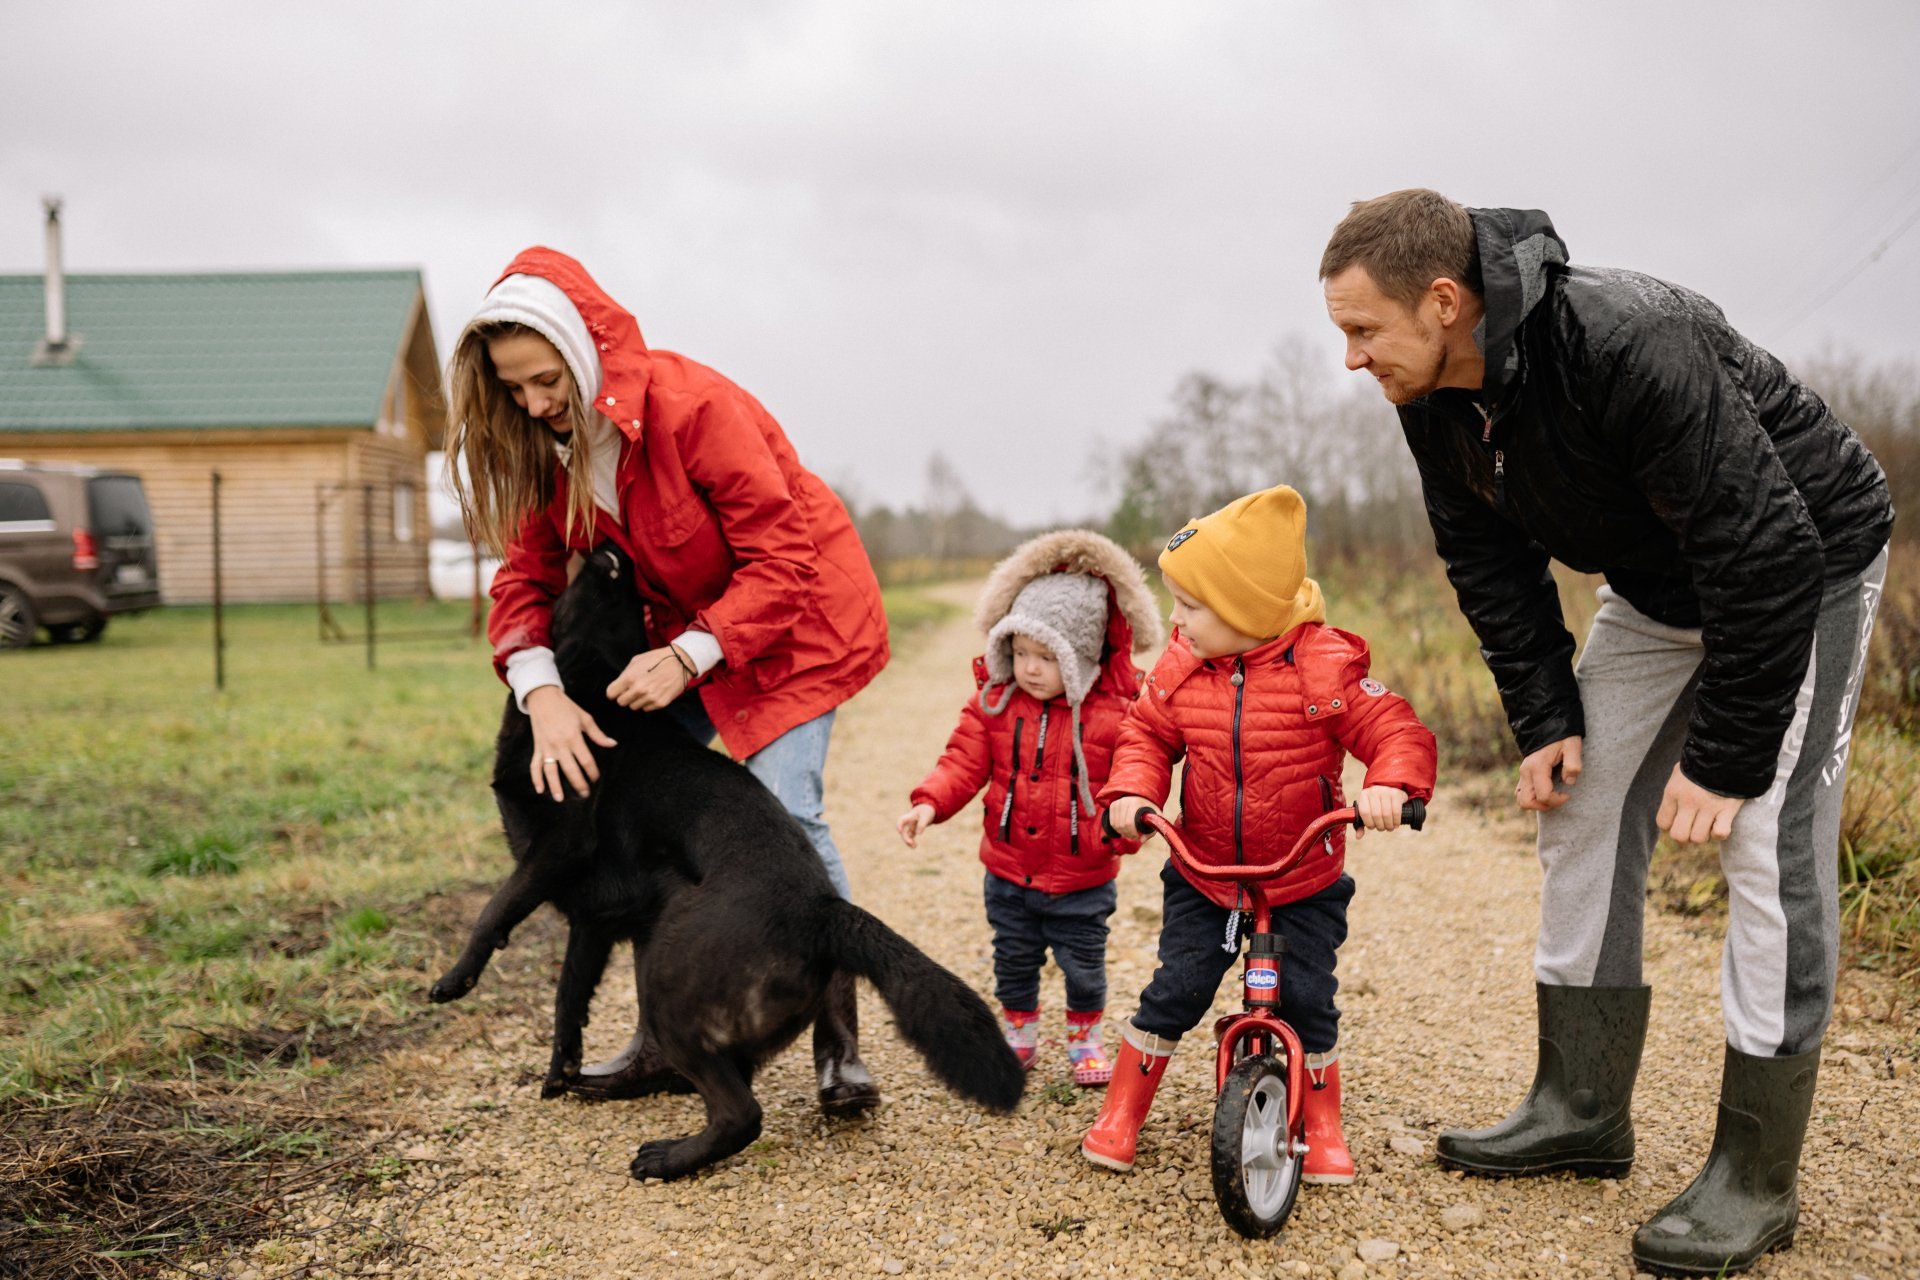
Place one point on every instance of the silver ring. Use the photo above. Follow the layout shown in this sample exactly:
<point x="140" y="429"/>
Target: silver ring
<point x="548" y="760"/>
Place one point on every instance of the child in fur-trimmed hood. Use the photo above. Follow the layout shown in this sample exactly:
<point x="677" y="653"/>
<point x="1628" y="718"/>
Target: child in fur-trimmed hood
<point x="1062" y="615"/>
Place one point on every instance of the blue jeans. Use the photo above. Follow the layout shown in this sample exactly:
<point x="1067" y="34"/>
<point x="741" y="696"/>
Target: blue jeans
<point x="1026" y="922"/>
<point x="791" y="767"/>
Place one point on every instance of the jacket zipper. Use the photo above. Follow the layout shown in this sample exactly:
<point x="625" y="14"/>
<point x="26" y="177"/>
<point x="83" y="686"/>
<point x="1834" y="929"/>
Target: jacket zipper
<point x="1239" y="679"/>
<point x="1499" y="458"/>
<point x="1013" y="780"/>
<point x="1073" y="807"/>
<point x="1326" y="806"/>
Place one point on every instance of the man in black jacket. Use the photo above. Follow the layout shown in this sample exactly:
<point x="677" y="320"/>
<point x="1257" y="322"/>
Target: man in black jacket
<point x="1616" y="423"/>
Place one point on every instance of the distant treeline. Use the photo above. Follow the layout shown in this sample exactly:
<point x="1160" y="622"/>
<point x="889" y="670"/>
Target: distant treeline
<point x="1334" y="439"/>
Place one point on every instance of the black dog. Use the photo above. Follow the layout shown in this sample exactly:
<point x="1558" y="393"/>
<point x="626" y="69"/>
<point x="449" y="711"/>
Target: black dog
<point x="735" y="928"/>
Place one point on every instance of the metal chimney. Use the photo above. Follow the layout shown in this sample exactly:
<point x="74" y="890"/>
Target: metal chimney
<point x="56" y="347"/>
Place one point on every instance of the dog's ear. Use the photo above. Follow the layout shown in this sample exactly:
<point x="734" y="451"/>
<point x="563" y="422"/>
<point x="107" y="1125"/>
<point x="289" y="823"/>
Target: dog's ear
<point x="606" y="559"/>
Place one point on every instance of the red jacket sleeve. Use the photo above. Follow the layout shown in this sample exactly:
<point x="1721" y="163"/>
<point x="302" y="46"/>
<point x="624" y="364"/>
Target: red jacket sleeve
<point x="732" y="463"/>
<point x="524" y="589"/>
<point x="962" y="768"/>
<point x="1144" y="754"/>
<point x="1382" y="731"/>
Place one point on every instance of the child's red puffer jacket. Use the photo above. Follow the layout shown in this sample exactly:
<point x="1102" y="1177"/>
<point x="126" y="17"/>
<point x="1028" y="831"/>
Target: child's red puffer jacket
<point x="1037" y="833"/>
<point x="1264" y="734"/>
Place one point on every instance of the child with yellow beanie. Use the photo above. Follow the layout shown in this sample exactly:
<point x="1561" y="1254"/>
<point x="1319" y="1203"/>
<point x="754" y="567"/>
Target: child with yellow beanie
<point x="1264" y="701"/>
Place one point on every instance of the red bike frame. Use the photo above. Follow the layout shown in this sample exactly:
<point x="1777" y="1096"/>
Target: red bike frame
<point x="1259" y="1028"/>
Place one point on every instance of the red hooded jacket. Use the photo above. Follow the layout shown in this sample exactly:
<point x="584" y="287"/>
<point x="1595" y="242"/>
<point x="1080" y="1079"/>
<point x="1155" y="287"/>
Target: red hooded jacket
<point x="1037" y="832"/>
<point x="1264" y="755"/>
<point x="727" y="531"/>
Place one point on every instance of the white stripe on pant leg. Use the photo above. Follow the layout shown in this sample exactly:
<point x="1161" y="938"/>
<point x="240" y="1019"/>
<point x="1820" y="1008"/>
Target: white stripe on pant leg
<point x="1753" y="965"/>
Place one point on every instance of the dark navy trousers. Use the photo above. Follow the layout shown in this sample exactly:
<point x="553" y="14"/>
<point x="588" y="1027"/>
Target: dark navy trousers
<point x="1193" y="960"/>
<point x="1026" y="922"/>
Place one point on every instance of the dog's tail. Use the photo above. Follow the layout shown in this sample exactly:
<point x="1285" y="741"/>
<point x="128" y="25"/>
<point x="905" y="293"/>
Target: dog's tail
<point x="937" y="1013"/>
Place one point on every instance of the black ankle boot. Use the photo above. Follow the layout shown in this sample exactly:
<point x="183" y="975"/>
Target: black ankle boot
<point x="846" y="1087"/>
<point x="637" y="1071"/>
<point x="1577" y="1116"/>
<point x="1746" y="1200"/>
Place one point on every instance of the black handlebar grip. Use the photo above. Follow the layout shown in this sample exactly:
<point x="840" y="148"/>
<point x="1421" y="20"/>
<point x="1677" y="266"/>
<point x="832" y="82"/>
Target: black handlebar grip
<point x="1106" y="824"/>
<point x="1413" y="813"/>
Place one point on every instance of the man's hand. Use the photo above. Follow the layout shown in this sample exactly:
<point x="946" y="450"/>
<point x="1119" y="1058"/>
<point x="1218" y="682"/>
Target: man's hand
<point x="1691" y="814"/>
<point x="913" y="822"/>
<point x="651" y="681"/>
<point x="1379" y="808"/>
<point x="1123" y="816"/>
<point x="1535" y="790"/>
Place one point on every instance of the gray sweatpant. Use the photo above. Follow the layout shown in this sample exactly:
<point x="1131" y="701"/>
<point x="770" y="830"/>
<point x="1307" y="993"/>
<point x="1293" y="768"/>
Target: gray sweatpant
<point x="1637" y="681"/>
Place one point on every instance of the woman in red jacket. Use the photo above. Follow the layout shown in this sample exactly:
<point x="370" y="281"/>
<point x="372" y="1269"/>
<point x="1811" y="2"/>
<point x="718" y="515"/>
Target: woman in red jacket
<point x="1062" y="615"/>
<point x="568" y="429"/>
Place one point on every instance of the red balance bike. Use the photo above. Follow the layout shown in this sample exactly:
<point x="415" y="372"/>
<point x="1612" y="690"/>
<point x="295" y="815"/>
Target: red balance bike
<point x="1260" y="1072"/>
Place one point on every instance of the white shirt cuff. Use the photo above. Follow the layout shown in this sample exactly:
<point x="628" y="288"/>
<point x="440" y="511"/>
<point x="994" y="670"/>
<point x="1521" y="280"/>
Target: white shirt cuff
<point x="701" y="647"/>
<point x="530" y="669"/>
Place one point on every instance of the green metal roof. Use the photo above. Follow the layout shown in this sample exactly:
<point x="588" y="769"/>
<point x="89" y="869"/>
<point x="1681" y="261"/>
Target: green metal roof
<point x="252" y="349"/>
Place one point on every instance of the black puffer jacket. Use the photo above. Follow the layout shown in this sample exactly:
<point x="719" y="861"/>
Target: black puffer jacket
<point x="1629" y="431"/>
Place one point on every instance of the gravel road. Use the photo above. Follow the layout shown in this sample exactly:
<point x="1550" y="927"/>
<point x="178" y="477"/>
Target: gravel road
<point x="485" y="1180"/>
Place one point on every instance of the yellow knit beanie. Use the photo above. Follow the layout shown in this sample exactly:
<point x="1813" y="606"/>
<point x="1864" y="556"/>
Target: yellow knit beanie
<point x="1248" y="563"/>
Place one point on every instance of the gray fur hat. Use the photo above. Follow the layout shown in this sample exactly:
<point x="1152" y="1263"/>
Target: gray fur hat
<point x="1055" y="588"/>
<point x="1067" y="612"/>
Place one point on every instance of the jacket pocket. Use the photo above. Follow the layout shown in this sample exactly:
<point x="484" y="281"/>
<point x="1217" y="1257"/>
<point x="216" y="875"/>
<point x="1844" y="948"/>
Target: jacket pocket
<point x="673" y="525"/>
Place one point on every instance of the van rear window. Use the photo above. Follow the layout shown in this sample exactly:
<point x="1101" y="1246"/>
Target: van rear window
<point x="22" y="502"/>
<point x="118" y="506"/>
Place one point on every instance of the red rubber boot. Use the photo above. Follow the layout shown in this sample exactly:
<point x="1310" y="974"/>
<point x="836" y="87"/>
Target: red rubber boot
<point x="1143" y="1060"/>
<point x="1327" y="1161"/>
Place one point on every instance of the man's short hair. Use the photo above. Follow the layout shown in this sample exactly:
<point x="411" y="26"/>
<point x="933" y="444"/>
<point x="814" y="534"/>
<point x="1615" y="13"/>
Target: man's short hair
<point x="1406" y="240"/>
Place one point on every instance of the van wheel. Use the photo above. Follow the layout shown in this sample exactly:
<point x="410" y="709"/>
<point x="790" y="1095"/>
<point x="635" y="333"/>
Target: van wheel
<point x="17" y="620"/>
<point x="78" y="632"/>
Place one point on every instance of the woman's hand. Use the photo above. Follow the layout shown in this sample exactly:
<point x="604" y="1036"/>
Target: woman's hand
<point x="1379" y="808"/>
<point x="560" y="733"/>
<point x="913" y="822"/>
<point x="652" y="680"/>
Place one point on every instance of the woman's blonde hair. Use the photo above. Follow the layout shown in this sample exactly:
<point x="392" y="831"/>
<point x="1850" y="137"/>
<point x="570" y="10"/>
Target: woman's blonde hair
<point x="500" y="457"/>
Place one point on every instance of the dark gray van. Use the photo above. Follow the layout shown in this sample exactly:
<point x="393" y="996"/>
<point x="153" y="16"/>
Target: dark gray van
<point x="76" y="547"/>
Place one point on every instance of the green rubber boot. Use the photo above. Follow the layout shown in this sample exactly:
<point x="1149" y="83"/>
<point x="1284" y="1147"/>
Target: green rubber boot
<point x="1577" y="1117"/>
<point x="1746" y="1201"/>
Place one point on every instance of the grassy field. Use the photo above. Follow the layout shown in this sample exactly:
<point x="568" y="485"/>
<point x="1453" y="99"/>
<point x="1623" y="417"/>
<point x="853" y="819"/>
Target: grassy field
<point x="195" y="879"/>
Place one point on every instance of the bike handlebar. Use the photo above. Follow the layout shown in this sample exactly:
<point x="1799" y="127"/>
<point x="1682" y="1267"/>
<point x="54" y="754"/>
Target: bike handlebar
<point x="1413" y="813"/>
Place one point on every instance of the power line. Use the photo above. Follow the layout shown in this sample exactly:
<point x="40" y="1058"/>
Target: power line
<point x="1847" y="278"/>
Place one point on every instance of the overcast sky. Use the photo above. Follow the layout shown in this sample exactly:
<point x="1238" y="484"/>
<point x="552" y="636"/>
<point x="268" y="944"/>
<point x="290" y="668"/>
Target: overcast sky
<point x="999" y="230"/>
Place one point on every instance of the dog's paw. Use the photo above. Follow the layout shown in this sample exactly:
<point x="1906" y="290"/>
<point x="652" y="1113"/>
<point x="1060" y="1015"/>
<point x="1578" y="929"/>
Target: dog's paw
<point x="452" y="987"/>
<point x="561" y="1077"/>
<point x="652" y="1160"/>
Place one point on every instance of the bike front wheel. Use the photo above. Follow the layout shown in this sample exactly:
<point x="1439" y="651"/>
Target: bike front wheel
<point x="1256" y="1159"/>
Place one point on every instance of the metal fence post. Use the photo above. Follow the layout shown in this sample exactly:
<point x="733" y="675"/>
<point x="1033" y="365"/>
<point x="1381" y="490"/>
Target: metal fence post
<point x="366" y="560"/>
<point x="219" y="627"/>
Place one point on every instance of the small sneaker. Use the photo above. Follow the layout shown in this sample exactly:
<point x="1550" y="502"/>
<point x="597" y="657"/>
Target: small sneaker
<point x="1091" y="1070"/>
<point x="1023" y="1034"/>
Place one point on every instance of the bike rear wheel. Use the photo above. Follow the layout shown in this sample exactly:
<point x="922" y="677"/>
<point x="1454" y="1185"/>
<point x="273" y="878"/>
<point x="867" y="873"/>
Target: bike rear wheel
<point x="1256" y="1160"/>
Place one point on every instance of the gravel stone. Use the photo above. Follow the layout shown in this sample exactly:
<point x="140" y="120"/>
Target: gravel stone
<point x="1458" y="1217"/>
<point x="1378" y="1250"/>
